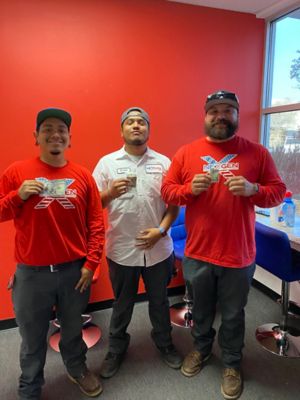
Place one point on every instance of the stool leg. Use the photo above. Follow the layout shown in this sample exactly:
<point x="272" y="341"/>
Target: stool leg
<point x="181" y="313"/>
<point x="285" y="295"/>
<point x="280" y="339"/>
<point x="189" y="305"/>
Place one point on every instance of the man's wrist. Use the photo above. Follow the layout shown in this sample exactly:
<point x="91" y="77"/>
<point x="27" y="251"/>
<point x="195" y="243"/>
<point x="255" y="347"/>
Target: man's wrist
<point x="256" y="188"/>
<point x="162" y="231"/>
<point x="109" y="194"/>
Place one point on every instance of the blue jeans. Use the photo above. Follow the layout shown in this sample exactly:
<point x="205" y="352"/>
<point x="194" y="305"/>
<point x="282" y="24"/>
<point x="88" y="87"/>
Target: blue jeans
<point x="209" y="285"/>
<point x="35" y="293"/>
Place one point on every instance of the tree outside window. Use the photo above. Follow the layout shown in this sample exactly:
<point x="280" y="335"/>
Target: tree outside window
<point x="281" y="111"/>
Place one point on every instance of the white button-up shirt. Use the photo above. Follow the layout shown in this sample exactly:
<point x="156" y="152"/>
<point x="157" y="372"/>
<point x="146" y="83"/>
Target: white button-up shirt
<point x="139" y="208"/>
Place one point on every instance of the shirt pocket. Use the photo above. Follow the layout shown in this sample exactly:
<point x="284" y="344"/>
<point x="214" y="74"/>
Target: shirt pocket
<point x="153" y="184"/>
<point x="125" y="204"/>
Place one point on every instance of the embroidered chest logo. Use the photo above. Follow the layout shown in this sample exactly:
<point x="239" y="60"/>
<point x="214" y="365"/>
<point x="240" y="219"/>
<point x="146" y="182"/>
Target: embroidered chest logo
<point x="56" y="190"/>
<point x="224" y="166"/>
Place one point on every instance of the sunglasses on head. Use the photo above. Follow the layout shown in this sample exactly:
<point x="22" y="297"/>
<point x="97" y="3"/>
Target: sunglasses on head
<point x="222" y="95"/>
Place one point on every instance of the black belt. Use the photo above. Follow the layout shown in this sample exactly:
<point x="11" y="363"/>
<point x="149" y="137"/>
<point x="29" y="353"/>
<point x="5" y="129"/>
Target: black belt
<point x="52" y="267"/>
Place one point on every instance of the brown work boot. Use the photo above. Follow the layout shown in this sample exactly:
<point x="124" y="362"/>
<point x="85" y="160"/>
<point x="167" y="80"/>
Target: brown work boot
<point x="88" y="383"/>
<point x="193" y="363"/>
<point x="232" y="383"/>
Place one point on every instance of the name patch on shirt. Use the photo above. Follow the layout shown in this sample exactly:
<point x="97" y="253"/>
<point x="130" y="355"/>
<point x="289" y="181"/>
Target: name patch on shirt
<point x="123" y="170"/>
<point x="154" y="169"/>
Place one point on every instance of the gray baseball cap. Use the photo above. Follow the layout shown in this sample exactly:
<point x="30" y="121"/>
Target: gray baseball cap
<point x="142" y="113"/>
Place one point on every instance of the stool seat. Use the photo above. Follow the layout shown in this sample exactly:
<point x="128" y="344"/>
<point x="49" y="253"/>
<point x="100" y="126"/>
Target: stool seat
<point x="279" y="342"/>
<point x="91" y="334"/>
<point x="181" y="315"/>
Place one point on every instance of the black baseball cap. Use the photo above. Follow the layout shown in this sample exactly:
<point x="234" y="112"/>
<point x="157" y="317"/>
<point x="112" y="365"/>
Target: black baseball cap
<point x="143" y="114"/>
<point x="53" y="113"/>
<point x="222" y="97"/>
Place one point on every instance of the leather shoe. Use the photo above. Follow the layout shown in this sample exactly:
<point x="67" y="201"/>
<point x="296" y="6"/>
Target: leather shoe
<point x="171" y="356"/>
<point x="111" y="364"/>
<point x="232" y="383"/>
<point x="88" y="383"/>
<point x="193" y="363"/>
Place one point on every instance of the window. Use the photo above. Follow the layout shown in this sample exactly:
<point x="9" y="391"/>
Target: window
<point x="281" y="100"/>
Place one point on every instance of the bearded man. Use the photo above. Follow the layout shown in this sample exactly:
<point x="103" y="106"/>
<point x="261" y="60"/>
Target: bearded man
<point x="220" y="178"/>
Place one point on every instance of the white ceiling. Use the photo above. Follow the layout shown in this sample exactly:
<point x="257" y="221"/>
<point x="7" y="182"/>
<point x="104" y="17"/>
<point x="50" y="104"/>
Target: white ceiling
<point x="261" y="8"/>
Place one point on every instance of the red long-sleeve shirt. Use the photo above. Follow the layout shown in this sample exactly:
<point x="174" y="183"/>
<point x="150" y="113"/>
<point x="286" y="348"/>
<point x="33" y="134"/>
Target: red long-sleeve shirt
<point x="62" y="224"/>
<point x="220" y="225"/>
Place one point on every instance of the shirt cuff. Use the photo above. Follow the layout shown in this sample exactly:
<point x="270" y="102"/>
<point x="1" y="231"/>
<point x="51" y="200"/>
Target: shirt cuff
<point x="16" y="199"/>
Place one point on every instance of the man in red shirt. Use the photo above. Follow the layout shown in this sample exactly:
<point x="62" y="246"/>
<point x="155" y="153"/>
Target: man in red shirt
<point x="57" y="213"/>
<point x="220" y="178"/>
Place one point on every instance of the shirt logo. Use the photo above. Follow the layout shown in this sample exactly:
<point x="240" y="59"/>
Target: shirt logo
<point x="224" y="166"/>
<point x="56" y="190"/>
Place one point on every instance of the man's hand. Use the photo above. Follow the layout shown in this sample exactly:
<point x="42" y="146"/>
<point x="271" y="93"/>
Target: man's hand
<point x="118" y="187"/>
<point x="148" y="238"/>
<point x="200" y="183"/>
<point x="29" y="188"/>
<point x="239" y="186"/>
<point x="85" y="280"/>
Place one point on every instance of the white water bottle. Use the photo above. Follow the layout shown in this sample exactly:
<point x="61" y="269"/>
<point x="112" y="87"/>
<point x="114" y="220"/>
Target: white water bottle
<point x="289" y="209"/>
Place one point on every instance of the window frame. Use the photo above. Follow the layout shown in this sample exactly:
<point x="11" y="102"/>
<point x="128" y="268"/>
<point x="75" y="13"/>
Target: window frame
<point x="267" y="82"/>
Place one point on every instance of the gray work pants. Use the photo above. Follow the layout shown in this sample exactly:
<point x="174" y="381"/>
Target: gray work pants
<point x="35" y="293"/>
<point x="208" y="285"/>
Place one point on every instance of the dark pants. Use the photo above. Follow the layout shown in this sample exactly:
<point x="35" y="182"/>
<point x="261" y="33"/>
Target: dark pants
<point x="210" y="284"/>
<point x="125" y="282"/>
<point x="35" y="293"/>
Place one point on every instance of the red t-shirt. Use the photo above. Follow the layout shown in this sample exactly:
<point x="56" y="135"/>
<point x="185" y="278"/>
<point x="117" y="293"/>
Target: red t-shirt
<point x="62" y="224"/>
<point x="220" y="226"/>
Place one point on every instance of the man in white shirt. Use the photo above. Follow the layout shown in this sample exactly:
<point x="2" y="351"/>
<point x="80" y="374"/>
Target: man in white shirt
<point x="137" y="241"/>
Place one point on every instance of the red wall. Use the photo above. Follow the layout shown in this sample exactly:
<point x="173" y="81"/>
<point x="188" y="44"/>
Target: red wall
<point x="96" y="58"/>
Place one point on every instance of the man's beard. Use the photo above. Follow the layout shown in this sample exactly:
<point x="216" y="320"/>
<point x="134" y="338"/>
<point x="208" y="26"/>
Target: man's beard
<point x="221" y="133"/>
<point x="136" y="141"/>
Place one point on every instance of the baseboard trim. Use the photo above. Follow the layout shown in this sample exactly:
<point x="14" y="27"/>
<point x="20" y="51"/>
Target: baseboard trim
<point x="265" y="289"/>
<point x="7" y="324"/>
